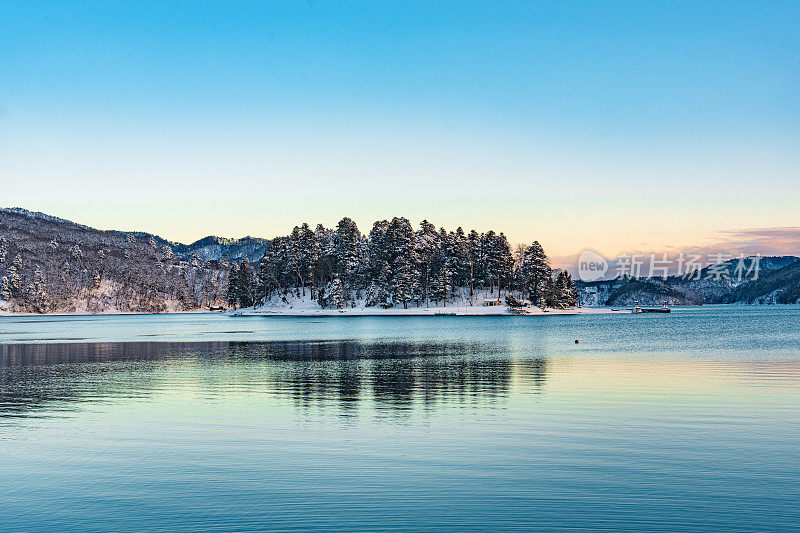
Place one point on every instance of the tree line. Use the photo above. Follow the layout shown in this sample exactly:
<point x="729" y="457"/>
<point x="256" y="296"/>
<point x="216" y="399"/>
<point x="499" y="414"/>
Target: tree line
<point x="397" y="265"/>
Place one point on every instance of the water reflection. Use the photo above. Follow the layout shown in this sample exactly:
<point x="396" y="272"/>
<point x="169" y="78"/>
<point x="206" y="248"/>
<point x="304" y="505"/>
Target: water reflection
<point x="47" y="379"/>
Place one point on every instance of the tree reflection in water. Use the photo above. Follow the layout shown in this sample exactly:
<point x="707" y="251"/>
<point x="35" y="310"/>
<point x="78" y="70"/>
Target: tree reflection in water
<point x="46" y="379"/>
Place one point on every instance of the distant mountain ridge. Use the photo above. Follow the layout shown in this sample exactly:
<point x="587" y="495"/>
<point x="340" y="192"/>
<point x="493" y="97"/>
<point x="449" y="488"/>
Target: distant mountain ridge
<point x="214" y="248"/>
<point x="778" y="282"/>
<point x="211" y="248"/>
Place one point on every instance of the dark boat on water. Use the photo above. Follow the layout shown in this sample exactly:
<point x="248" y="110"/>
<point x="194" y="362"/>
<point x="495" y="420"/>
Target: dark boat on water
<point x="637" y="309"/>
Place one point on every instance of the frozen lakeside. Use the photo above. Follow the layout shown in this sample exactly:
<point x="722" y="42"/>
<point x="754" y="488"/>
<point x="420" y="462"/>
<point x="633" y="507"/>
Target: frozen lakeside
<point x="291" y="305"/>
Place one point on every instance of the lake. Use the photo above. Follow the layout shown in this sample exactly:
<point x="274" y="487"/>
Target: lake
<point x="203" y="422"/>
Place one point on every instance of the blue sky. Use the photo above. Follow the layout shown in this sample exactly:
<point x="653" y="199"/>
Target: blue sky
<point x="616" y="126"/>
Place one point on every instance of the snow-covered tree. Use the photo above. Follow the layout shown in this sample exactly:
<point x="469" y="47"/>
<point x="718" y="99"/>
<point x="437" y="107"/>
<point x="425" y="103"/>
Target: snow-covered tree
<point x="347" y="243"/>
<point x="334" y="294"/>
<point x="536" y="273"/>
<point x="371" y="297"/>
<point x="241" y="285"/>
<point x="3" y="252"/>
<point x="403" y="281"/>
<point x="428" y="247"/>
<point x="5" y="288"/>
<point x="38" y="292"/>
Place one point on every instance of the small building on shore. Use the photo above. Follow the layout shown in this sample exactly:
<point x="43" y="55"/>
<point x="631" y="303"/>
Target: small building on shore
<point x="491" y="302"/>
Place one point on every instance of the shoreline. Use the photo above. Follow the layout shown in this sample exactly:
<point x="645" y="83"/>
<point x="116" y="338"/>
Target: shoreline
<point x="416" y="312"/>
<point x="115" y="313"/>
<point x="353" y="312"/>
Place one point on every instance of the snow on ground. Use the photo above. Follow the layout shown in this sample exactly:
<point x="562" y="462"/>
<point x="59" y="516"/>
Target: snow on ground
<point x="292" y="305"/>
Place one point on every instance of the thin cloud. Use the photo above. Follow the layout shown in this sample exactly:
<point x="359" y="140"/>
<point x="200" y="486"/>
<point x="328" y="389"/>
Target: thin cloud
<point x="766" y="242"/>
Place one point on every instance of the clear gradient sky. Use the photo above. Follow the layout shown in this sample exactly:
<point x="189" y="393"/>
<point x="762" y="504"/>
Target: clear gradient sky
<point x="616" y="126"/>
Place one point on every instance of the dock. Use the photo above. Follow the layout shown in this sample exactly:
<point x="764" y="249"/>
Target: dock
<point x="637" y="309"/>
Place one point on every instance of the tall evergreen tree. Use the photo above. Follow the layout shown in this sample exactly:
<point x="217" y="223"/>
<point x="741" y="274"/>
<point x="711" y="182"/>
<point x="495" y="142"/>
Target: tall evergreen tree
<point x="326" y="264"/>
<point x="246" y="284"/>
<point x="268" y="277"/>
<point x="460" y="252"/>
<point x="232" y="294"/>
<point x="428" y="247"/>
<point x="505" y="264"/>
<point x="348" y="247"/>
<point x="242" y="285"/>
<point x="334" y="294"/>
<point x="475" y="259"/>
<point x="536" y="273"/>
<point x="303" y="254"/>
<point x="404" y="260"/>
<point x="551" y="296"/>
<point x="402" y="282"/>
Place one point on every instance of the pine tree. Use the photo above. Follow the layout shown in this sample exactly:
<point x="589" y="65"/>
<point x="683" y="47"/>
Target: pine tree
<point x="569" y="293"/>
<point x="404" y="260"/>
<point x="14" y="280"/>
<point x="294" y="260"/>
<point x="551" y="293"/>
<point x="38" y="292"/>
<point x="326" y="264"/>
<point x="3" y="252"/>
<point x="536" y="273"/>
<point x="474" y="255"/>
<point x="384" y="285"/>
<point x="5" y="288"/>
<point x="234" y="289"/>
<point x="309" y="248"/>
<point x="442" y="282"/>
<point x="379" y="254"/>
<point x="268" y="281"/>
<point x="460" y="252"/>
<point x="428" y="247"/>
<point x="347" y="243"/>
<point x="335" y="294"/>
<point x="505" y="264"/>
<point x="403" y="282"/>
<point x="245" y="284"/>
<point x="371" y="297"/>
<point x="490" y="264"/>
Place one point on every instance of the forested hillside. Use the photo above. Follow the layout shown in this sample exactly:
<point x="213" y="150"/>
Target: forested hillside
<point x="53" y="265"/>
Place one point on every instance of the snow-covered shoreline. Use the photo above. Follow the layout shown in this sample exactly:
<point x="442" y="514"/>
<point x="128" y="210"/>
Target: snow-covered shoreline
<point x="291" y="305"/>
<point x="370" y="311"/>
<point x="422" y="311"/>
<point x="464" y="305"/>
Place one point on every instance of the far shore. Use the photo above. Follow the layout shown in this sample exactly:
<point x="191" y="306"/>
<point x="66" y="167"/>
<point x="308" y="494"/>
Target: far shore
<point x="359" y="311"/>
<point x="499" y="310"/>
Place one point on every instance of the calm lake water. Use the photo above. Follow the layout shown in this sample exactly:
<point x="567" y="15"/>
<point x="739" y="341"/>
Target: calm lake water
<point x="686" y="421"/>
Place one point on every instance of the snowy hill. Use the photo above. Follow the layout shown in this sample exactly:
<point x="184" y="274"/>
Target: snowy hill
<point x="778" y="282"/>
<point x="48" y="264"/>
